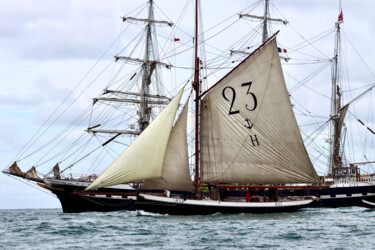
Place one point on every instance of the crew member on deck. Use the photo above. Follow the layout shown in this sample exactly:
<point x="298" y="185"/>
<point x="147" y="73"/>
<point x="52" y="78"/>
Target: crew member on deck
<point x="248" y="196"/>
<point x="261" y="194"/>
<point x="272" y="192"/>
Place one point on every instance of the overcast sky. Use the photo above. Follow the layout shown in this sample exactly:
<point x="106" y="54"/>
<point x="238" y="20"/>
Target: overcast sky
<point x="46" y="47"/>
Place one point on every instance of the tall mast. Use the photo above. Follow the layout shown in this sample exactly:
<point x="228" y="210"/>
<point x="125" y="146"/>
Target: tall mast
<point x="143" y="98"/>
<point x="147" y="68"/>
<point x="197" y="101"/>
<point x="335" y="104"/>
<point x="265" y="16"/>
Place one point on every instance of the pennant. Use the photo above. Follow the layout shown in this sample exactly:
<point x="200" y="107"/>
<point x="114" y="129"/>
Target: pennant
<point x="340" y="19"/>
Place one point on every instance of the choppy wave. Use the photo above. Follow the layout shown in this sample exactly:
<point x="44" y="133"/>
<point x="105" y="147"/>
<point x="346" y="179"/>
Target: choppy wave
<point x="344" y="228"/>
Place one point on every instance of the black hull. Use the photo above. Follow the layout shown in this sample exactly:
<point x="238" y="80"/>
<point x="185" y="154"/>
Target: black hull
<point x="342" y="202"/>
<point x="328" y="197"/>
<point x="73" y="199"/>
<point x="186" y="209"/>
<point x="333" y="197"/>
<point x="72" y="203"/>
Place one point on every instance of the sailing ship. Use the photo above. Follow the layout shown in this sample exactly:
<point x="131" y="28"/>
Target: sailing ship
<point x="245" y="133"/>
<point x="246" y="142"/>
<point x="214" y="159"/>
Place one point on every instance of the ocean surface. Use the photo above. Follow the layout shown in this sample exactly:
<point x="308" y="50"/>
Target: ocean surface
<point x="341" y="228"/>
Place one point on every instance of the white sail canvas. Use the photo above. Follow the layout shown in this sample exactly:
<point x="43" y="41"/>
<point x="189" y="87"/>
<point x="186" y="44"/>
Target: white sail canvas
<point x="249" y="133"/>
<point x="144" y="158"/>
<point x="175" y="174"/>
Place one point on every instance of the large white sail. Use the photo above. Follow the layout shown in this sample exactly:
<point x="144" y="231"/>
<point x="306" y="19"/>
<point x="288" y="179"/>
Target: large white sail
<point x="175" y="174"/>
<point x="143" y="159"/>
<point x="249" y="133"/>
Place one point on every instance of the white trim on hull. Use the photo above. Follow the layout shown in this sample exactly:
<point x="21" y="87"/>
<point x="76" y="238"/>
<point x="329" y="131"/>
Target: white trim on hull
<point x="217" y="203"/>
<point x="118" y="197"/>
<point x="178" y="206"/>
<point x="356" y="195"/>
<point x="369" y="204"/>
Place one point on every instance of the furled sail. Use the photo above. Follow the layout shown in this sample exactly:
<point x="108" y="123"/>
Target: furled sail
<point x="175" y="174"/>
<point x="15" y="170"/>
<point x="143" y="159"/>
<point x="340" y="123"/>
<point x="249" y="133"/>
<point x="32" y="175"/>
<point x="342" y="113"/>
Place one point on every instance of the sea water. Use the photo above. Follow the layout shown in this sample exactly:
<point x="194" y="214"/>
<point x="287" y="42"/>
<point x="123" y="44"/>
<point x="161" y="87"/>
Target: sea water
<point x="324" y="228"/>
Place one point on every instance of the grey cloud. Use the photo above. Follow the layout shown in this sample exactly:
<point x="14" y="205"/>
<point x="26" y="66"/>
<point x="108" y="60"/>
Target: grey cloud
<point x="56" y="29"/>
<point x="37" y="93"/>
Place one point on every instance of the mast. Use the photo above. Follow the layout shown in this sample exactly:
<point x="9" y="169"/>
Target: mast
<point x="335" y="105"/>
<point x="144" y="98"/>
<point x="265" y="32"/>
<point x="145" y="110"/>
<point x="197" y="101"/>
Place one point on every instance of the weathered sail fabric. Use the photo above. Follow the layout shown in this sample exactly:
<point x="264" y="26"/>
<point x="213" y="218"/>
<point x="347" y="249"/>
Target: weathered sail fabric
<point x="56" y="171"/>
<point x="175" y="174"/>
<point x="249" y="133"/>
<point x="143" y="159"/>
<point x="15" y="170"/>
<point x="343" y="111"/>
<point x="32" y="174"/>
<point x="340" y="122"/>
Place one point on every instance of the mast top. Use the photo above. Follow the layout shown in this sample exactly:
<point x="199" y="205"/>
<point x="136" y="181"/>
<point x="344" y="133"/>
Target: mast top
<point x="265" y="19"/>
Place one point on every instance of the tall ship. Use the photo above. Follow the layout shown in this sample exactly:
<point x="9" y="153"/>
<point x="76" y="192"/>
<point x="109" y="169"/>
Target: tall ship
<point x="242" y="151"/>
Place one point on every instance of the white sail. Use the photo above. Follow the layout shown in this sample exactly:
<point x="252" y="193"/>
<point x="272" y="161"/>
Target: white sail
<point x="249" y="133"/>
<point x="175" y="174"/>
<point x="143" y="159"/>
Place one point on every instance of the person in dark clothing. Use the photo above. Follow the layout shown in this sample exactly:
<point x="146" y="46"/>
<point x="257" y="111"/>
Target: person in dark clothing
<point x="272" y="192"/>
<point x="261" y="194"/>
